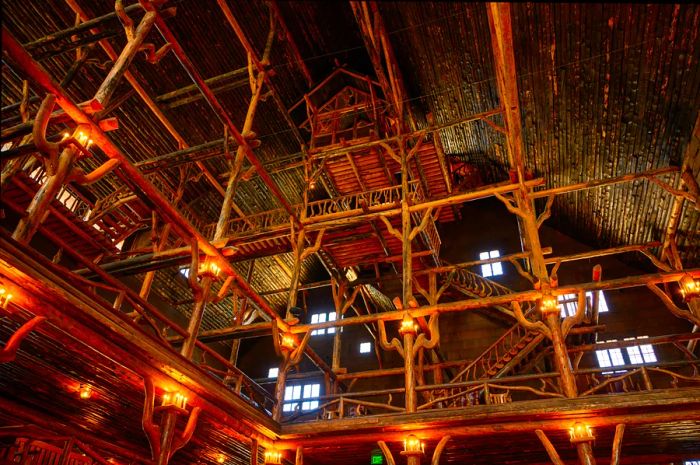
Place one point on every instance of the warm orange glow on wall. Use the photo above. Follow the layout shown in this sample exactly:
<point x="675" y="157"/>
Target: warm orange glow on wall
<point x="85" y="391"/>
<point x="581" y="432"/>
<point x="273" y="457"/>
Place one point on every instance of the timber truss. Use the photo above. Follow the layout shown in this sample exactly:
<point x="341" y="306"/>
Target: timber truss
<point x="362" y="124"/>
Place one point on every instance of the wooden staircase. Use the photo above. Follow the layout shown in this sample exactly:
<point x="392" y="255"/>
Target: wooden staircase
<point x="476" y="286"/>
<point x="513" y="350"/>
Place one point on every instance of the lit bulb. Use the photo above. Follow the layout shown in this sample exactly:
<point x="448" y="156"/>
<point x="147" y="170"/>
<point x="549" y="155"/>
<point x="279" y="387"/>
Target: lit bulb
<point x="221" y="458"/>
<point x="690" y="288"/>
<point x="273" y="457"/>
<point x="85" y="391"/>
<point x="408" y="325"/>
<point x="65" y="136"/>
<point x="5" y="298"/>
<point x="581" y="432"/>
<point x="288" y="341"/>
<point x="413" y="445"/>
<point x="89" y="143"/>
<point x="549" y="303"/>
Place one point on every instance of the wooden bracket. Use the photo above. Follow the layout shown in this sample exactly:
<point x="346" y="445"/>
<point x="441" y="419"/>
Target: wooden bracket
<point x="154" y="431"/>
<point x="536" y="326"/>
<point x="680" y="313"/>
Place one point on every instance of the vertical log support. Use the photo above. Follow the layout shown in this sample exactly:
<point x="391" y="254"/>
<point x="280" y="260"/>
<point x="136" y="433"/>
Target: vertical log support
<point x="290" y="350"/>
<point x="506" y="78"/>
<point x="408" y="331"/>
<point x="341" y="304"/>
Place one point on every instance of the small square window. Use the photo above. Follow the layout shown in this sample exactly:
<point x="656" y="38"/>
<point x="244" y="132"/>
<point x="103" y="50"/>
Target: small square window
<point x="322" y="318"/>
<point x="365" y="347"/>
<point x="491" y="269"/>
<point x="273" y="372"/>
<point x="185" y="272"/>
<point x="308" y="394"/>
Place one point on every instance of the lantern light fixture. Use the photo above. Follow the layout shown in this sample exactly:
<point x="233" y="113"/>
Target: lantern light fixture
<point x="5" y="297"/>
<point x="210" y="269"/>
<point x="288" y="341"/>
<point x="221" y="458"/>
<point x="408" y="325"/>
<point x="690" y="288"/>
<point x="174" y="398"/>
<point x="548" y="304"/>
<point x="85" y="391"/>
<point x="413" y="446"/>
<point x="580" y="432"/>
<point x="273" y="457"/>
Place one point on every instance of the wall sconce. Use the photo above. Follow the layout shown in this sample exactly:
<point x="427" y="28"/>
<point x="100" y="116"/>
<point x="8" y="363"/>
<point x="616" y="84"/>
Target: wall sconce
<point x="408" y="325"/>
<point x="221" y="458"/>
<point x="85" y="391"/>
<point x="273" y="457"/>
<point x="548" y="304"/>
<point x="690" y="288"/>
<point x="176" y="399"/>
<point x="412" y="446"/>
<point x="581" y="432"/>
<point x="5" y="298"/>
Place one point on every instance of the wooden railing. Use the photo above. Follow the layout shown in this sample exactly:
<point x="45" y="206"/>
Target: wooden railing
<point x="508" y="389"/>
<point x="155" y="325"/>
<point x="497" y="358"/>
<point x="320" y="210"/>
<point x="34" y="452"/>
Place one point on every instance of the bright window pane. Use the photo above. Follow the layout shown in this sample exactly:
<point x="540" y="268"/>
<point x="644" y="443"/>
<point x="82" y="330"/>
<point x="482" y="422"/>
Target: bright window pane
<point x="494" y="254"/>
<point x="288" y="393"/>
<point x="185" y="272"/>
<point x="313" y="404"/>
<point x="484" y="256"/>
<point x="321" y="318"/>
<point x="602" y="304"/>
<point x="305" y="405"/>
<point x="314" y="318"/>
<point x="365" y="347"/>
<point x="603" y="359"/>
<point x="296" y="394"/>
<point x="331" y="317"/>
<point x="315" y="390"/>
<point x="287" y="408"/>
<point x="648" y="353"/>
<point x="497" y="269"/>
<point x="635" y="355"/>
<point x="486" y="271"/>
<point x="272" y="373"/>
<point x="307" y="391"/>
<point x="616" y="357"/>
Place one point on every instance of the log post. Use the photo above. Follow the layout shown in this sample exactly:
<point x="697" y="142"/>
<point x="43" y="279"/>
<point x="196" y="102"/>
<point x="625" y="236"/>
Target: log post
<point x="409" y="366"/>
